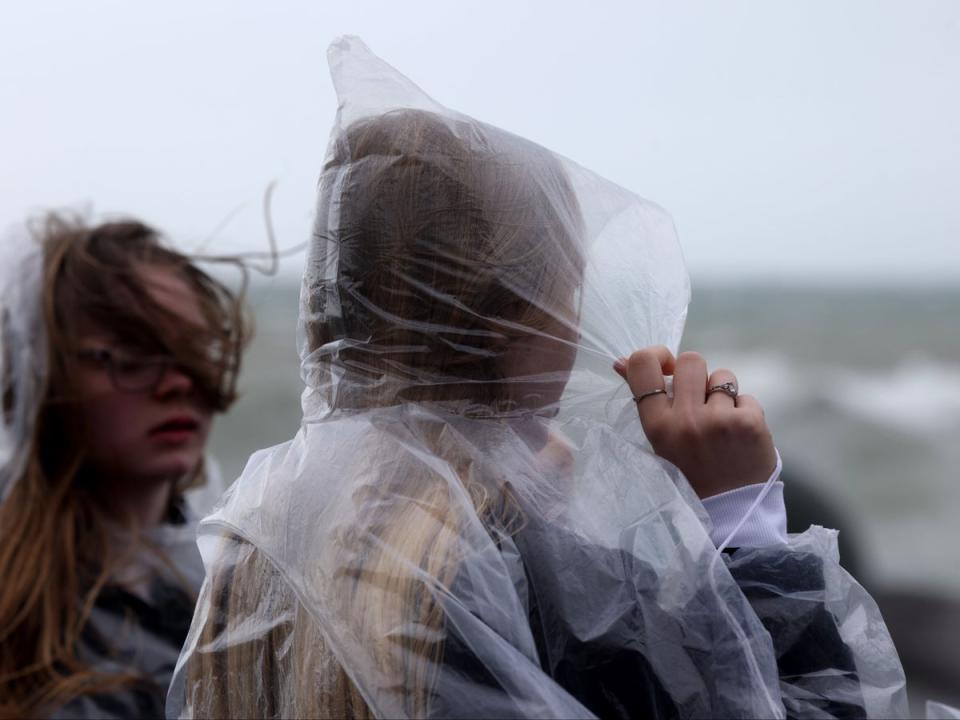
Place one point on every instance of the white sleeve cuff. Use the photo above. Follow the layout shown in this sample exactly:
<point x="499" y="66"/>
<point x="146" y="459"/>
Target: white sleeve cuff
<point x="767" y="525"/>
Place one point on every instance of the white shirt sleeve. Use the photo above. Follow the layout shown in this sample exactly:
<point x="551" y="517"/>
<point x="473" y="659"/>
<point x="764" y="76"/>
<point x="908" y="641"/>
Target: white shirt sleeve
<point x="767" y="525"/>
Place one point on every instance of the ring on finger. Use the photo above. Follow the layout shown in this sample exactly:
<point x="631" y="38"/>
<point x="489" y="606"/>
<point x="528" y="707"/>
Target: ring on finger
<point x="727" y="388"/>
<point x="649" y="393"/>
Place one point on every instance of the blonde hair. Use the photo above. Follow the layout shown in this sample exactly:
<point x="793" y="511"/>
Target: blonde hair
<point x="419" y="207"/>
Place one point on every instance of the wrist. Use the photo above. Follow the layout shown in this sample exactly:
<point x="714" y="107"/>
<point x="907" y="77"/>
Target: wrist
<point x="749" y="516"/>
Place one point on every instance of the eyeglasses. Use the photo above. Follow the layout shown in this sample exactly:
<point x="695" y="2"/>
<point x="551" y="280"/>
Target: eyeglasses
<point x="130" y="373"/>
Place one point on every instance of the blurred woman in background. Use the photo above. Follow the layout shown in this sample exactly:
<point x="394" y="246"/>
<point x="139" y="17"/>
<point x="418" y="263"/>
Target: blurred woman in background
<point x="115" y="353"/>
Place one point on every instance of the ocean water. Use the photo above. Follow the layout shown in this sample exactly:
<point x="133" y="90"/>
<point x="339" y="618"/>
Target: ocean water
<point x="861" y="388"/>
<point x="862" y="391"/>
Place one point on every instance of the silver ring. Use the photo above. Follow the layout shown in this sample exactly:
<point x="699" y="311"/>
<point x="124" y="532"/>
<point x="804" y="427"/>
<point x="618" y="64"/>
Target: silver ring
<point x="727" y="388"/>
<point x="650" y="393"/>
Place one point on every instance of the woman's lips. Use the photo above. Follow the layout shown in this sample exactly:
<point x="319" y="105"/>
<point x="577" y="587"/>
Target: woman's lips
<point x="175" y="430"/>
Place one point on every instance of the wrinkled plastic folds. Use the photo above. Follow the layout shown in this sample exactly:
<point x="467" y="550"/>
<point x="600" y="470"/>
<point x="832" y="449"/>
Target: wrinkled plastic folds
<point x="23" y="354"/>
<point x="469" y="521"/>
<point x="941" y="711"/>
<point x="789" y="589"/>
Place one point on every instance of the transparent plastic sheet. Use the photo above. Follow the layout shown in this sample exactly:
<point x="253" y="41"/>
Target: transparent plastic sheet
<point x="23" y="353"/>
<point x="940" y="711"/>
<point x="469" y="521"/>
<point x="807" y="591"/>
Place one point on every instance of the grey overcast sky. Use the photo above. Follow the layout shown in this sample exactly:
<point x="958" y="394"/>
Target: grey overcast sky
<point x="813" y="141"/>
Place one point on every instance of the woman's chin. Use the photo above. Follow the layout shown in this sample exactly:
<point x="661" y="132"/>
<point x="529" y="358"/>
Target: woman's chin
<point x="172" y="466"/>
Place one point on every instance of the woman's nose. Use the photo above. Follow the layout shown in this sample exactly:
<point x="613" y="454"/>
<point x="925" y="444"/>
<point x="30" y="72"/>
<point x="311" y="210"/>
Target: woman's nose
<point x="174" y="381"/>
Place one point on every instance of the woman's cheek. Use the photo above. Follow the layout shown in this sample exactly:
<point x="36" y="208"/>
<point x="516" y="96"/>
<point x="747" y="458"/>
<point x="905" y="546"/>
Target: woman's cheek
<point x="111" y="430"/>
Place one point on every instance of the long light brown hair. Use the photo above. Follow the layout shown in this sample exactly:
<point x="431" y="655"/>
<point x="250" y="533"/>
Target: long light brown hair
<point x="425" y="231"/>
<point x="55" y="552"/>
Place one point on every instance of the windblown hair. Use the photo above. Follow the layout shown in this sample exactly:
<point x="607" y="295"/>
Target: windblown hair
<point x="428" y="255"/>
<point x="441" y="252"/>
<point x="55" y="553"/>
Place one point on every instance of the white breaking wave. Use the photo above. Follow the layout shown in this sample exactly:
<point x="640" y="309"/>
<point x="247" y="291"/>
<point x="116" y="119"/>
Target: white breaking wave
<point x="917" y="396"/>
<point x="920" y="396"/>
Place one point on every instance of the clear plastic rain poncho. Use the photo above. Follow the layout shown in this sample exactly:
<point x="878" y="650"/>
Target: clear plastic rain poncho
<point x="23" y="354"/>
<point x="469" y="521"/>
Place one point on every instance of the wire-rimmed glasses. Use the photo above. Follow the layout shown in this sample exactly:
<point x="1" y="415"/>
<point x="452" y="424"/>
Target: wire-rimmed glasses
<point x="130" y="373"/>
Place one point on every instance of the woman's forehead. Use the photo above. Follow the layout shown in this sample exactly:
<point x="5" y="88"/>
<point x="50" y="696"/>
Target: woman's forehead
<point x="126" y="319"/>
<point x="170" y="290"/>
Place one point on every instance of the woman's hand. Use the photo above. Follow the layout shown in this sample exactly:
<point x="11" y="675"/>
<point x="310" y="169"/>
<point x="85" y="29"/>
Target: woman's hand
<point x="719" y="442"/>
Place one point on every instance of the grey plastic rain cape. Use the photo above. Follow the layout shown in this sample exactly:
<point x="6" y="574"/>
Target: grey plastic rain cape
<point x="469" y="521"/>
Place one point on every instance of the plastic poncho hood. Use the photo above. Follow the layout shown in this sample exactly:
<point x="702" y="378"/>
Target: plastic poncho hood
<point x="23" y="354"/>
<point x="470" y="493"/>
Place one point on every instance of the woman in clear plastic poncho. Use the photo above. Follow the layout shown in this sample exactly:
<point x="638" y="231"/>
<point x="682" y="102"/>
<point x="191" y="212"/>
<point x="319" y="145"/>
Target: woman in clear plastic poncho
<point x="469" y="521"/>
